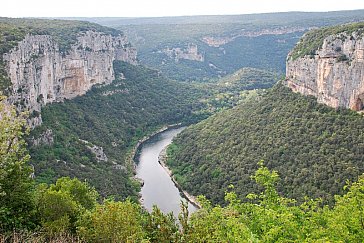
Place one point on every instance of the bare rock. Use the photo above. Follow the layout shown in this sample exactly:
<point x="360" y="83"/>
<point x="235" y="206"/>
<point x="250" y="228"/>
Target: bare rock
<point x="190" y="53"/>
<point x="98" y="151"/>
<point x="335" y="74"/>
<point x="46" y="138"/>
<point x="41" y="74"/>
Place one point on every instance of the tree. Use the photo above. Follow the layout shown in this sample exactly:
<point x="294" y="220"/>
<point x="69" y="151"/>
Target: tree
<point x="62" y="204"/>
<point x="113" y="222"/>
<point x="161" y="227"/>
<point x="16" y="205"/>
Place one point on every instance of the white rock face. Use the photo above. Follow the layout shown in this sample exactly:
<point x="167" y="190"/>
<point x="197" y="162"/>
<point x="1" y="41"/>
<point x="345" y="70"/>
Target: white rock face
<point x="96" y="150"/>
<point x="41" y="74"/>
<point x="335" y="75"/>
<point x="190" y="53"/>
<point x="46" y="138"/>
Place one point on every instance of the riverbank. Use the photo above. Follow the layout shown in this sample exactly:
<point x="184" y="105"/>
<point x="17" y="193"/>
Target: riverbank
<point x="162" y="159"/>
<point x="135" y="151"/>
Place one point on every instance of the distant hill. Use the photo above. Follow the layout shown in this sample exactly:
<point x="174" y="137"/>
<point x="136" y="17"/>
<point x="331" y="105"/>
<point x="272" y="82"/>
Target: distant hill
<point x="226" y="43"/>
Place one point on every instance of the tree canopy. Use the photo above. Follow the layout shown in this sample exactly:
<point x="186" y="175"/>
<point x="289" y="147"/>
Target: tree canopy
<point x="316" y="148"/>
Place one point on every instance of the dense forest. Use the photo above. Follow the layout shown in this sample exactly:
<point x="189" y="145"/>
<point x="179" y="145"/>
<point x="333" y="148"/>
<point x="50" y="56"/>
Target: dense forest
<point x="113" y="117"/>
<point x="267" y="165"/>
<point x="70" y="210"/>
<point x="315" y="148"/>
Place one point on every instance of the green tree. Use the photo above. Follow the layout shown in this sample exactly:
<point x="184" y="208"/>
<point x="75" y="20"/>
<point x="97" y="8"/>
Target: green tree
<point x="113" y="222"/>
<point x="60" y="205"/>
<point x="162" y="227"/>
<point x="16" y="206"/>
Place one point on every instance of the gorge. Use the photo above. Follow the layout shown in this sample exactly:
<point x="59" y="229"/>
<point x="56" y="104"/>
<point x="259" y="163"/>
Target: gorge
<point x="269" y="164"/>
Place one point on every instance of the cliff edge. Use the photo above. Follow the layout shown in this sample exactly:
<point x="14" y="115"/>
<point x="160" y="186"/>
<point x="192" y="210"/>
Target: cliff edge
<point x="40" y="73"/>
<point x="329" y="64"/>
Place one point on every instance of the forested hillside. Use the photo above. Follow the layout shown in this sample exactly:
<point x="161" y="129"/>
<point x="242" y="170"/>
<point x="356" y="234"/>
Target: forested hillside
<point x="113" y="117"/>
<point x="315" y="148"/>
<point x="70" y="211"/>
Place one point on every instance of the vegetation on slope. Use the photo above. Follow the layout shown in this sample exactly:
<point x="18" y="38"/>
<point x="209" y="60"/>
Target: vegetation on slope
<point x="113" y="117"/>
<point x="312" y="41"/>
<point x="69" y="210"/>
<point x="16" y="205"/>
<point x="264" y="52"/>
<point x="235" y="88"/>
<point x="315" y="148"/>
<point x="65" y="32"/>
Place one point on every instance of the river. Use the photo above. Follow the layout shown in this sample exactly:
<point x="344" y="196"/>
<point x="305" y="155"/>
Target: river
<point x="159" y="188"/>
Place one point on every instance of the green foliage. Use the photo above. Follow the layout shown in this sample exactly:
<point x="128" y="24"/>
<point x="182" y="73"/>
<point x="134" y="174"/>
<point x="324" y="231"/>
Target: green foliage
<point x="60" y="205"/>
<point x="269" y="217"/>
<point x="16" y="205"/>
<point x="312" y="41"/>
<point x="315" y="148"/>
<point x="113" y="117"/>
<point x="264" y="52"/>
<point x="161" y="227"/>
<point x="241" y="86"/>
<point x="280" y="220"/>
<point x="346" y="220"/>
<point x="113" y="222"/>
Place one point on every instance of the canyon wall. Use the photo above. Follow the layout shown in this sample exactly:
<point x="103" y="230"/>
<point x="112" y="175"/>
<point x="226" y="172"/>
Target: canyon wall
<point x="334" y="74"/>
<point x="41" y="74"/>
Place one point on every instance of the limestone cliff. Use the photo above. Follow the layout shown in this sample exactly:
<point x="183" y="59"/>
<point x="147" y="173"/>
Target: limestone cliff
<point x="189" y="53"/>
<point x="40" y="73"/>
<point x="334" y="73"/>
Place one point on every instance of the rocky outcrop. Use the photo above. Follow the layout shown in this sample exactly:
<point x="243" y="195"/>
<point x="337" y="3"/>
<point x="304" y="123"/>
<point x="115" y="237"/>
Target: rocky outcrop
<point x="217" y="41"/>
<point x="335" y="74"/>
<point x="96" y="150"/>
<point x="45" y="138"/>
<point x="190" y="53"/>
<point x="41" y="74"/>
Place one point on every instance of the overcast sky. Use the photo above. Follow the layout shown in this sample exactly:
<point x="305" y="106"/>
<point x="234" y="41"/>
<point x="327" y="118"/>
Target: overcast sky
<point x="153" y="8"/>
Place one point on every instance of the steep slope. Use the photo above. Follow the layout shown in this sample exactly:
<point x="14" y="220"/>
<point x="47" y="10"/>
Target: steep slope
<point x="329" y="64"/>
<point x="90" y="137"/>
<point x="315" y="148"/>
<point x="95" y="108"/>
<point x="45" y="61"/>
